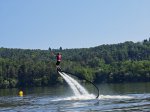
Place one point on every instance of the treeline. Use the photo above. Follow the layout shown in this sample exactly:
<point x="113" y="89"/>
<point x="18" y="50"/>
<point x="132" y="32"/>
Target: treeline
<point x="117" y="63"/>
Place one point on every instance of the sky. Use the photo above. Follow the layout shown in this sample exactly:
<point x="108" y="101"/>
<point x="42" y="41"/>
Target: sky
<point x="40" y="24"/>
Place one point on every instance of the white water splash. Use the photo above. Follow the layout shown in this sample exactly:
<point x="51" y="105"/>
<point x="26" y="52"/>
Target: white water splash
<point x="82" y="94"/>
<point x="91" y="97"/>
<point x="81" y="97"/>
<point x="79" y="91"/>
<point x="114" y="97"/>
<point x="73" y="87"/>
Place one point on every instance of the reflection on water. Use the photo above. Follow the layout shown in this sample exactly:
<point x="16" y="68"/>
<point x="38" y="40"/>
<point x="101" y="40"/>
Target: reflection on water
<point x="114" y="98"/>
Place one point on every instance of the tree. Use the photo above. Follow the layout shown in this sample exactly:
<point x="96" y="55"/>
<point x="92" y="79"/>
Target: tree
<point x="60" y="49"/>
<point x="49" y="49"/>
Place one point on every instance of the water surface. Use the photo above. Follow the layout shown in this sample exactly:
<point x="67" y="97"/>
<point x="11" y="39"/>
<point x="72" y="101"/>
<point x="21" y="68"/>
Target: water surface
<point x="129" y="97"/>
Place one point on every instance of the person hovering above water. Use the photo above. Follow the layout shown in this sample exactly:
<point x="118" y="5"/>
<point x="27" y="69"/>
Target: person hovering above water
<point x="58" y="58"/>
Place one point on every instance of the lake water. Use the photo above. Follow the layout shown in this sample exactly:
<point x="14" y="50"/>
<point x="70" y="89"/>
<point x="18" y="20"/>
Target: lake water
<point x="129" y="97"/>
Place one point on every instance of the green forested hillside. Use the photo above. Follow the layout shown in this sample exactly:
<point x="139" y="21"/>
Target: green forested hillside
<point x="117" y="63"/>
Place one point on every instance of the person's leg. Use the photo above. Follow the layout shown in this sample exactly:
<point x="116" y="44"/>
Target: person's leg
<point x="57" y="65"/>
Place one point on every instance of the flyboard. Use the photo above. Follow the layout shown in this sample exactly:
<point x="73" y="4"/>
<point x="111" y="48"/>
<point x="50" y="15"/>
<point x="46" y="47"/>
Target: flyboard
<point x="60" y="70"/>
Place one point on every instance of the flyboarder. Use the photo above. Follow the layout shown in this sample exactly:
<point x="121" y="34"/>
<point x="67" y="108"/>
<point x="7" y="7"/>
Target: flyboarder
<point x="58" y="58"/>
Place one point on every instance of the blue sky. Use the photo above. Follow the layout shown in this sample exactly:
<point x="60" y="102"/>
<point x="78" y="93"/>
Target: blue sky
<point x="40" y="24"/>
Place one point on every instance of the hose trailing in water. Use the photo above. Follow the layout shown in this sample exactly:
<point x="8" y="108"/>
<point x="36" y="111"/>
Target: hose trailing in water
<point x="85" y="80"/>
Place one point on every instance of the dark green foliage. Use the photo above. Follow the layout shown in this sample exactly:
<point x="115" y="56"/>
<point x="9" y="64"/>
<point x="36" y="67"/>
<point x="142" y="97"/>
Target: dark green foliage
<point x="124" y="62"/>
